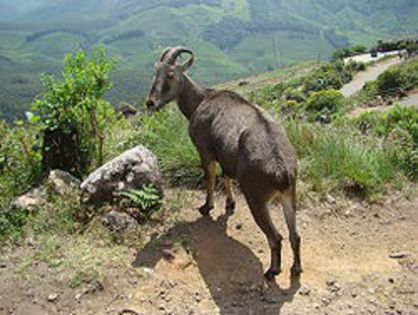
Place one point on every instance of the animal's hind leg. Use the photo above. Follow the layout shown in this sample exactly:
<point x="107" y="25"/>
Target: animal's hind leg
<point x="230" y="197"/>
<point x="210" y="174"/>
<point x="260" y="212"/>
<point x="288" y="201"/>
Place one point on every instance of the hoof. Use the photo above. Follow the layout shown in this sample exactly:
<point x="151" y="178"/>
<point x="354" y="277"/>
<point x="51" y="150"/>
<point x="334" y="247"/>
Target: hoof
<point x="205" y="209"/>
<point x="271" y="274"/>
<point x="296" y="270"/>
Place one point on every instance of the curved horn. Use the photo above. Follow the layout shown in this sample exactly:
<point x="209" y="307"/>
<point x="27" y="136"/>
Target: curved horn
<point x="164" y="53"/>
<point x="177" y="51"/>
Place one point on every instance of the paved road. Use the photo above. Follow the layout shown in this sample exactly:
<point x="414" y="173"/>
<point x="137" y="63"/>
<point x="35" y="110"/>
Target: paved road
<point x="411" y="99"/>
<point x="370" y="74"/>
<point x="365" y="58"/>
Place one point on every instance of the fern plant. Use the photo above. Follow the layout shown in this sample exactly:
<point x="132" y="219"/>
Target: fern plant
<point x="146" y="199"/>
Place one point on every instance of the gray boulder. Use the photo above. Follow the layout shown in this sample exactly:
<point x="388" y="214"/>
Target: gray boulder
<point x="62" y="182"/>
<point x="119" y="221"/>
<point x="131" y="170"/>
<point x="31" y="200"/>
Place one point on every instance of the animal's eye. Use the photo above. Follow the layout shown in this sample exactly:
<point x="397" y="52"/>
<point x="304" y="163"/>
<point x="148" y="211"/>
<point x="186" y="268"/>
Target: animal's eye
<point x="170" y="75"/>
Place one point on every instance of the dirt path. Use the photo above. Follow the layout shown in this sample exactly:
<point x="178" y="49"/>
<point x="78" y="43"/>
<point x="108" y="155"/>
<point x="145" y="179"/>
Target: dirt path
<point x="215" y="266"/>
<point x="370" y="74"/>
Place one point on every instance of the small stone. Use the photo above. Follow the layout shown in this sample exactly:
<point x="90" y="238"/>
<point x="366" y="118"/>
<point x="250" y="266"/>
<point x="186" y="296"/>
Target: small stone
<point x="330" y="199"/>
<point x="52" y="297"/>
<point x="30" y="201"/>
<point x="168" y="254"/>
<point x="148" y="272"/>
<point x="119" y="221"/>
<point x="305" y="291"/>
<point x="197" y="297"/>
<point x="62" y="182"/>
<point x="333" y="285"/>
<point x="398" y="255"/>
<point x="30" y="242"/>
<point x="325" y="301"/>
<point x="371" y="291"/>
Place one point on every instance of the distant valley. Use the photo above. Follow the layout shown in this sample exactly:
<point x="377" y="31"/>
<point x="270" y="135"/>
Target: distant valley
<point x="231" y="38"/>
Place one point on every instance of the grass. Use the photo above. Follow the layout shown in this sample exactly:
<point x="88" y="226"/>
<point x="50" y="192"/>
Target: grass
<point x="77" y="260"/>
<point x="165" y="133"/>
<point x="334" y="159"/>
<point x="398" y="128"/>
<point x="73" y="256"/>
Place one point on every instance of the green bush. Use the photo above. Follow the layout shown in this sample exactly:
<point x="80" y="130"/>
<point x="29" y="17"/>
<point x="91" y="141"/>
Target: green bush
<point x="329" y="76"/>
<point x="411" y="72"/>
<point x="324" y="103"/>
<point x="292" y="94"/>
<point x="19" y="160"/>
<point x="268" y="94"/>
<point x="12" y="222"/>
<point x="397" y="80"/>
<point x="349" y="51"/>
<point x="356" y="66"/>
<point x="392" y="82"/>
<point x="73" y="114"/>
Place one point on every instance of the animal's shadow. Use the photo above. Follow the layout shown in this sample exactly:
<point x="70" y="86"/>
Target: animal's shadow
<point x="233" y="274"/>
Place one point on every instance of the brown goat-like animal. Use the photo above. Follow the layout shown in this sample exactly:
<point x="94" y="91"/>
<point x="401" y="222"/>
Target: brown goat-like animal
<point x="248" y="144"/>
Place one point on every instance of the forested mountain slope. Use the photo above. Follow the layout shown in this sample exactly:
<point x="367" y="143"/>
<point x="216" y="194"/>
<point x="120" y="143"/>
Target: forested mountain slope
<point x="231" y="37"/>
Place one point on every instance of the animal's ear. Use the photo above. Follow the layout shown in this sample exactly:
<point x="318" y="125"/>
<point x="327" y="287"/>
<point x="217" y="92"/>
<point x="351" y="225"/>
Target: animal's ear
<point x="188" y="63"/>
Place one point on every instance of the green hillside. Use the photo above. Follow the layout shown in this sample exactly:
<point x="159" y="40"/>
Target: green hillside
<point x="231" y="38"/>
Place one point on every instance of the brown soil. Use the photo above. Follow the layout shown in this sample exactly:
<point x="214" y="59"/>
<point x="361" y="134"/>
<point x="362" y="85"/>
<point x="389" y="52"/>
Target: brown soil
<point x="215" y="266"/>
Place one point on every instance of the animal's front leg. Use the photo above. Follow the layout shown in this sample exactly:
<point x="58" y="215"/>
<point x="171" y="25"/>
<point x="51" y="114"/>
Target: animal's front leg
<point x="210" y="174"/>
<point x="230" y="197"/>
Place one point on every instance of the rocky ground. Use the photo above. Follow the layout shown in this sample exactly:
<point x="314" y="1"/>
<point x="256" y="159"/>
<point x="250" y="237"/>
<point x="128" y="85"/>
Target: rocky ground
<point x="359" y="258"/>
